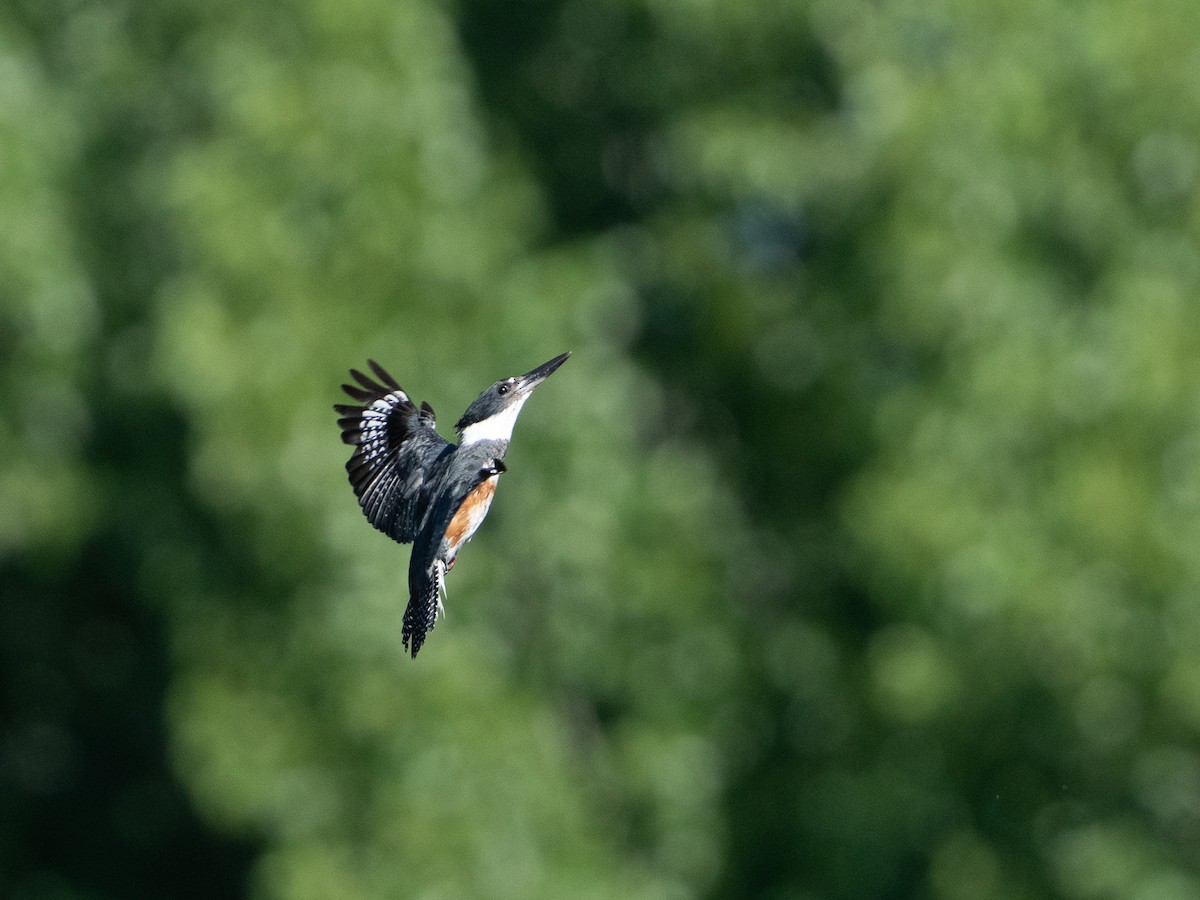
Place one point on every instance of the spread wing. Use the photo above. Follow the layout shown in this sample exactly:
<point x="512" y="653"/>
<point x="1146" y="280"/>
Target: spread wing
<point x="395" y="446"/>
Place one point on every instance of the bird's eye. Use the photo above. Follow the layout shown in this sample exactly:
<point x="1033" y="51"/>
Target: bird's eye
<point x="502" y="389"/>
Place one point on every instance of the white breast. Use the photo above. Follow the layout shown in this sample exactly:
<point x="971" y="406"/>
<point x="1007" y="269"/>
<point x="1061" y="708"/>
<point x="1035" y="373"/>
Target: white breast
<point x="498" y="428"/>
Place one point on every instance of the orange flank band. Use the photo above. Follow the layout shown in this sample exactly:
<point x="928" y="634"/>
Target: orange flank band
<point x="470" y="515"/>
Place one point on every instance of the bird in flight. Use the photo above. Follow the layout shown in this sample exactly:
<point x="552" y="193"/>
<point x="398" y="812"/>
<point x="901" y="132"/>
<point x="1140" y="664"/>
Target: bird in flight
<point x="415" y="486"/>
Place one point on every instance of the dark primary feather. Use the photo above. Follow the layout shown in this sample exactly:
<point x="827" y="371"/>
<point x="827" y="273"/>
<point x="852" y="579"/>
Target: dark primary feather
<point x="395" y="444"/>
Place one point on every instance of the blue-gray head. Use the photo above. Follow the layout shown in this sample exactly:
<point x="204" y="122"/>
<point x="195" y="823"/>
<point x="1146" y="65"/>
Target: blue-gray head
<point x="494" y="412"/>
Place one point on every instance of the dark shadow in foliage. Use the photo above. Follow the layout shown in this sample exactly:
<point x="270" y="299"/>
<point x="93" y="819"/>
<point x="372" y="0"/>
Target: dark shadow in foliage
<point x="89" y="804"/>
<point x="584" y="87"/>
<point x="542" y="79"/>
<point x="791" y="452"/>
<point x="92" y="803"/>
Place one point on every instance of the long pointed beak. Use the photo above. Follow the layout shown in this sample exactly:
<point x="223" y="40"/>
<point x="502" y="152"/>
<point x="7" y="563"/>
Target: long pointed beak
<point x="532" y="379"/>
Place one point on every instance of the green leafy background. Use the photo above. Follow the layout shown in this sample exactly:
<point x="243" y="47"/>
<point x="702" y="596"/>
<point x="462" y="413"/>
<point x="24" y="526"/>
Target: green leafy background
<point x="854" y="554"/>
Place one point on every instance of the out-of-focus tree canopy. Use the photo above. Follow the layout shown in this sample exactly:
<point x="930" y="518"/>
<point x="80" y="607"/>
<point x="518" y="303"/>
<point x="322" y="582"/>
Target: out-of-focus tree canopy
<point x="854" y="554"/>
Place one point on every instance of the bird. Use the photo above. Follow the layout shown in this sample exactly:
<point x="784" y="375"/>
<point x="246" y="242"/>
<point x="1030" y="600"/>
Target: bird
<point x="417" y="487"/>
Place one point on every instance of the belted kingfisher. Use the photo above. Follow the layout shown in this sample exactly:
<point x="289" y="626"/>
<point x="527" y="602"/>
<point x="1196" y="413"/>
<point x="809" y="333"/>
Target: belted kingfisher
<point x="414" y="485"/>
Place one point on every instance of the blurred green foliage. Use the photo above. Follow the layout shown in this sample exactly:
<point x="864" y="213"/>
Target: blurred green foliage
<point x="853" y="555"/>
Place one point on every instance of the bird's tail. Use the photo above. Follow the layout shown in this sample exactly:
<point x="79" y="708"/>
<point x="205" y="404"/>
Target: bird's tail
<point x="424" y="604"/>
